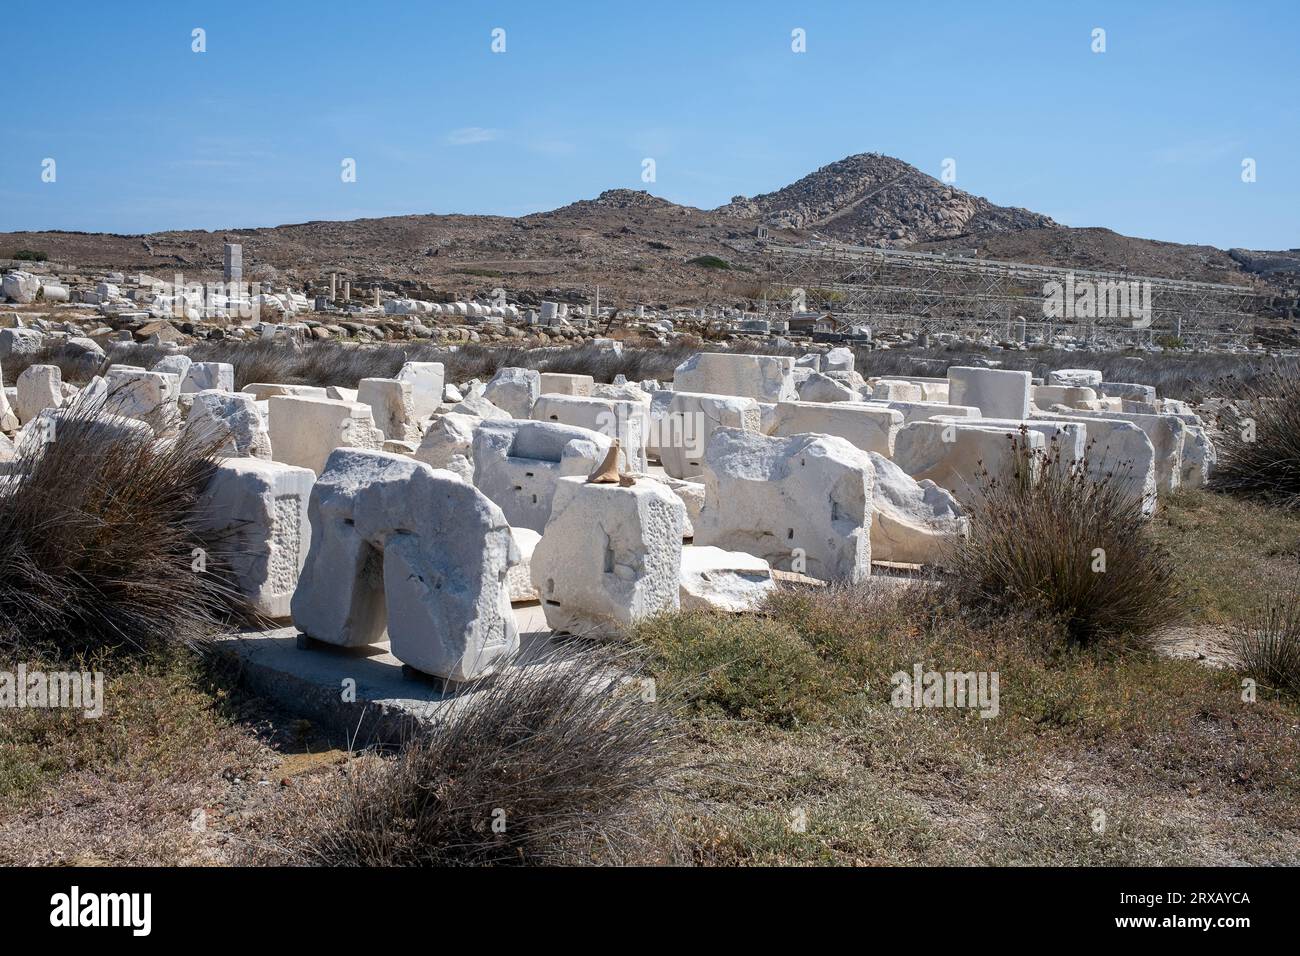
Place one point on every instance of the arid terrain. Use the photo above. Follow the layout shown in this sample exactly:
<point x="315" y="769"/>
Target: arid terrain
<point x="639" y="248"/>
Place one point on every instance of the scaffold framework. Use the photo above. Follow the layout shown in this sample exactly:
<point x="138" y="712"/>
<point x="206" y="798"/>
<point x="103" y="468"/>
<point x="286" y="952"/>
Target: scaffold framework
<point x="931" y="293"/>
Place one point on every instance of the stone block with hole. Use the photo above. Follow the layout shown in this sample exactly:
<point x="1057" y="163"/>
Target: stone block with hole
<point x="402" y="549"/>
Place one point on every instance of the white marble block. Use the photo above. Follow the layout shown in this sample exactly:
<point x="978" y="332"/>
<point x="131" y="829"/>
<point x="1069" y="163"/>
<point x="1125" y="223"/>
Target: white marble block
<point x="681" y="424"/>
<point x="517" y="464"/>
<point x="400" y="547"/>
<point x="255" y="513"/>
<point x="205" y="375"/>
<point x="961" y="455"/>
<point x="232" y="419"/>
<point x="801" y="503"/>
<point x="39" y="387"/>
<point x="912" y="522"/>
<point x="514" y="390"/>
<point x="864" y="426"/>
<point x="609" y="556"/>
<point x="428" y="382"/>
<point x="764" y="378"/>
<point x="728" y="581"/>
<point x="625" y="420"/>
<point x="305" y="430"/>
<point x="997" y="393"/>
<point x="559" y="383"/>
<point x="392" y="405"/>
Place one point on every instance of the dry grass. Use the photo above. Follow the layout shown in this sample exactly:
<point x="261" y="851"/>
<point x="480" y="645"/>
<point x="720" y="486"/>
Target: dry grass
<point x="96" y="545"/>
<point x="556" y="761"/>
<point x="1259" y="442"/>
<point x="1182" y="768"/>
<point x="1269" y="645"/>
<point x="160" y="779"/>
<point x="1069" y="546"/>
<point x="1231" y="553"/>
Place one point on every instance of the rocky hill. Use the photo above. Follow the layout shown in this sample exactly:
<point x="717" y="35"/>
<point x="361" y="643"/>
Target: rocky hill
<point x="640" y="248"/>
<point x="877" y="200"/>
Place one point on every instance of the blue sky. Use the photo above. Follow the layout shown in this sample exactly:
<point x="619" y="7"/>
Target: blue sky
<point x="1146" y="138"/>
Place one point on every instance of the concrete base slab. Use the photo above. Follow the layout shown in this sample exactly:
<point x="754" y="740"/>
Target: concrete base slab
<point x="363" y="694"/>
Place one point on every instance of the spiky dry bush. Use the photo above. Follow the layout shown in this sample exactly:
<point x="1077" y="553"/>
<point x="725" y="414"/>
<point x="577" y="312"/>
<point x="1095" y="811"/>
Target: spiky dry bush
<point x="97" y="542"/>
<point x="1050" y="538"/>
<point x="1268" y="646"/>
<point x="1259" y="443"/>
<point x="560" y="760"/>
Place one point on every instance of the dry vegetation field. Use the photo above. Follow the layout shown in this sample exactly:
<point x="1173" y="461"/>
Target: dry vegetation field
<point x="773" y="739"/>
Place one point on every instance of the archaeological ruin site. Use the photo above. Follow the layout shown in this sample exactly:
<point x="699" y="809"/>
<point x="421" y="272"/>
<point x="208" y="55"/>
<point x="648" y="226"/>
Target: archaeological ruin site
<point x="565" y="437"/>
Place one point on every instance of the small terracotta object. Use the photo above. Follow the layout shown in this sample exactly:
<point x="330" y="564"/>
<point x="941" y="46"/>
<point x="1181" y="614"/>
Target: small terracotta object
<point x="606" y="472"/>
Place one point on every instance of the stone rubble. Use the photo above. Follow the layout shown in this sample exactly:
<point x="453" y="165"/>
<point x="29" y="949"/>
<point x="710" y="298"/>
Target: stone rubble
<point x="416" y="510"/>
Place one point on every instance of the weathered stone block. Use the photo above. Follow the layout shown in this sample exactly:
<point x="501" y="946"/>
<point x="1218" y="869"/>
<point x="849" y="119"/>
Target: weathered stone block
<point x="764" y="378"/>
<point x="304" y="431"/>
<point x="609" y="556"/>
<point x="255" y="513"/>
<point x="514" y="390"/>
<point x="997" y="393"/>
<point x="868" y="427"/>
<point x="518" y="462"/>
<point x="397" y="544"/>
<point x="801" y="503"/>
<point x="232" y="419"/>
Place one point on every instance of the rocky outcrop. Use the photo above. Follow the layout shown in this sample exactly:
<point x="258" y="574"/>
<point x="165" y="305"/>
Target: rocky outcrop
<point x="878" y="200"/>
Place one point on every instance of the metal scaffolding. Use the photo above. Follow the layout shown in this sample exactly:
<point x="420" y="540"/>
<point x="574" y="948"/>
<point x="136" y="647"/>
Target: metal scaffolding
<point x="890" y="289"/>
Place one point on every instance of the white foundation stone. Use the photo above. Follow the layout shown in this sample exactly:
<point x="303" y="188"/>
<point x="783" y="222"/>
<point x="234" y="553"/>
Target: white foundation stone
<point x="209" y="375"/>
<point x="147" y="396"/>
<point x="1075" y="377"/>
<point x="955" y="456"/>
<point x="822" y="388"/>
<point x="557" y="383"/>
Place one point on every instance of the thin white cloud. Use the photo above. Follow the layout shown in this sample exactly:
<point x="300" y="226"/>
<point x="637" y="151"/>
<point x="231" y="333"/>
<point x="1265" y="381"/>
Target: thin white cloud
<point x="469" y="135"/>
<point x="553" y="147"/>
